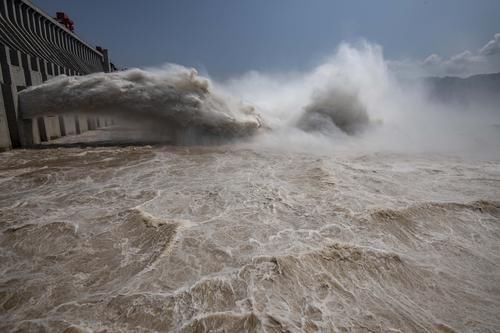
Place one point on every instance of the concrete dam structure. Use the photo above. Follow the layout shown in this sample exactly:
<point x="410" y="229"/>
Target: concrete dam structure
<point x="35" y="47"/>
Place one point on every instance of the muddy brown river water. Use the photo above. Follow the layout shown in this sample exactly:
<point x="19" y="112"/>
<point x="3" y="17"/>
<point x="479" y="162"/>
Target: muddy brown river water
<point x="235" y="239"/>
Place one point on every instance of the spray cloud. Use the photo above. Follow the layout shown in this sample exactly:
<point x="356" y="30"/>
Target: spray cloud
<point x="173" y="99"/>
<point x="353" y="100"/>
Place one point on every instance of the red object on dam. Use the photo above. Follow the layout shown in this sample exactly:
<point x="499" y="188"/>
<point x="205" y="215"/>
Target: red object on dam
<point x="64" y="19"/>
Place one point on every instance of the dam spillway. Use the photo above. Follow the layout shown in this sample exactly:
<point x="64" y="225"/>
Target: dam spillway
<point x="34" y="47"/>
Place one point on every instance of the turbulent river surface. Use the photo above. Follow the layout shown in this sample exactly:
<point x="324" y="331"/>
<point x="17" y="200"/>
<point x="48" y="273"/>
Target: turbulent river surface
<point x="239" y="239"/>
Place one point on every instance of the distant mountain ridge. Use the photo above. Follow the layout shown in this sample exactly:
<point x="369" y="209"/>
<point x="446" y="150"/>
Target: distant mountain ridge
<point x="482" y="89"/>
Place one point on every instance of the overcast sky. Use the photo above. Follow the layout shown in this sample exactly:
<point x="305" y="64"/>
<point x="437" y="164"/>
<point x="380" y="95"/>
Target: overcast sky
<point x="227" y="37"/>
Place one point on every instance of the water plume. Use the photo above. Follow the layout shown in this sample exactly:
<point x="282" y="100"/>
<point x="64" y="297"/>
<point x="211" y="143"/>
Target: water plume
<point x="352" y="100"/>
<point x="174" y="99"/>
<point x="334" y="108"/>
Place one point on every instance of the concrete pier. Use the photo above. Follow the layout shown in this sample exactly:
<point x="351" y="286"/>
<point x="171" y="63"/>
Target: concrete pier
<point x="34" y="47"/>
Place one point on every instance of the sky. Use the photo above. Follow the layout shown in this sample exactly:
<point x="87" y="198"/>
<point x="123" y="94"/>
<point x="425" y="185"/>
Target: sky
<point x="231" y="37"/>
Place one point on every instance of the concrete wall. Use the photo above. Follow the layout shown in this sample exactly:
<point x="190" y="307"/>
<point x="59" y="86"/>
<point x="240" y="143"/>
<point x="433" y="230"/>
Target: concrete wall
<point x="52" y="127"/>
<point x="4" y="127"/>
<point x="34" y="48"/>
<point x="84" y="127"/>
<point x="36" y="132"/>
<point x="69" y="125"/>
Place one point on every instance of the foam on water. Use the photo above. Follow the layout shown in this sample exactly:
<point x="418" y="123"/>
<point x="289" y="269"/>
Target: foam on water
<point x="225" y="238"/>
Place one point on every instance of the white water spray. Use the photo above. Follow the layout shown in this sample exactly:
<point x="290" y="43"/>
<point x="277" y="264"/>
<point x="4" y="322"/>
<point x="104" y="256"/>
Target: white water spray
<point x="351" y="100"/>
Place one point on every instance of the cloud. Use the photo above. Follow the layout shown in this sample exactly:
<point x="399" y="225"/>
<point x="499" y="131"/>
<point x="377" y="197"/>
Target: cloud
<point x="484" y="60"/>
<point x="492" y="47"/>
<point x="458" y="64"/>
<point x="463" y="63"/>
<point x="433" y="59"/>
